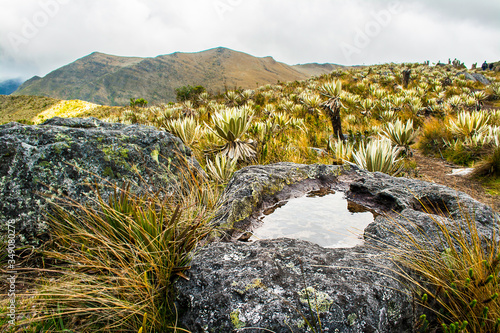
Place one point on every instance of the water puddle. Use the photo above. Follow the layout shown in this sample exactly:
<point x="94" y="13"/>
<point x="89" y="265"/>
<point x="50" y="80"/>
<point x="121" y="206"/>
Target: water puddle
<point x="323" y="217"/>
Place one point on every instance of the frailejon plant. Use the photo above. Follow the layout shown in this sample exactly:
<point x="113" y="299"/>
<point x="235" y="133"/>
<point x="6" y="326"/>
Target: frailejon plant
<point x="455" y="276"/>
<point x="230" y="125"/>
<point x="379" y="155"/>
<point x="186" y="129"/>
<point x="341" y="150"/>
<point x="311" y="101"/>
<point x="221" y="169"/>
<point x="469" y="123"/>
<point x="333" y="90"/>
<point x="401" y="134"/>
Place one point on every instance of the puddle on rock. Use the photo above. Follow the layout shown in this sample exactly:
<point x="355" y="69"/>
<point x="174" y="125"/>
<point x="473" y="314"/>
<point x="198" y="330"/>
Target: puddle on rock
<point x="322" y="217"/>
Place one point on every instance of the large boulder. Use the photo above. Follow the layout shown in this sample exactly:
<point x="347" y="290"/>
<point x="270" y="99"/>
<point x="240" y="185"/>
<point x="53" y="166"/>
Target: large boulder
<point x="65" y="157"/>
<point x="279" y="284"/>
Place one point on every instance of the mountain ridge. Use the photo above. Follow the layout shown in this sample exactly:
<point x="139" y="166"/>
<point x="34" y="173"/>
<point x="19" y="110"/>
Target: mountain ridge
<point x="112" y="80"/>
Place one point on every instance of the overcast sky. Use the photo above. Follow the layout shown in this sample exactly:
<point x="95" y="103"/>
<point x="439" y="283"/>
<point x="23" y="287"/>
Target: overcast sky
<point x="38" y="36"/>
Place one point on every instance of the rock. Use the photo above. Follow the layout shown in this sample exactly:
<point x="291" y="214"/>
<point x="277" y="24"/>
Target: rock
<point x="476" y="77"/>
<point x="258" y="187"/>
<point x="462" y="172"/>
<point x="264" y="284"/>
<point x="62" y="156"/>
<point x="481" y="78"/>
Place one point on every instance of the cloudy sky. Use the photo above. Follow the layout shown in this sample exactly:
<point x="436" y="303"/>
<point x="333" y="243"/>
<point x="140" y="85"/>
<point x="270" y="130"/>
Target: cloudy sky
<point x="38" y="36"/>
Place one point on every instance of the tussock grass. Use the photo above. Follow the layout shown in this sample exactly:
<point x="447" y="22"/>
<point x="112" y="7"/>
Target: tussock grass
<point x="115" y="260"/>
<point x="454" y="274"/>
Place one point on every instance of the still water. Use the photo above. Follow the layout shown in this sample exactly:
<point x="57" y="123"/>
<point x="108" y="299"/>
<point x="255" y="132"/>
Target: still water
<point x="327" y="220"/>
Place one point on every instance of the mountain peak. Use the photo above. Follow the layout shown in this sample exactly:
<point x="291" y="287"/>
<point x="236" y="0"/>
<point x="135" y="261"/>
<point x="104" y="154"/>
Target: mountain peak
<point x="112" y="80"/>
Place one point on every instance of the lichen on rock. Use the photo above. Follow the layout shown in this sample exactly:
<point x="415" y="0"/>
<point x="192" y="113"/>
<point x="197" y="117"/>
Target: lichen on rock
<point x="67" y="157"/>
<point x="348" y="290"/>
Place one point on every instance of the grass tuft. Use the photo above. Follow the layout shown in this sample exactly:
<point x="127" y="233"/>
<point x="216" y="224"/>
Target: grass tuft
<point x="455" y="277"/>
<point x="116" y="259"/>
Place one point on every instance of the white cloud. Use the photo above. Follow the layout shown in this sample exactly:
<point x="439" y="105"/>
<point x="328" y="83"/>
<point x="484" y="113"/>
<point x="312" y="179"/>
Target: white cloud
<point x="292" y="32"/>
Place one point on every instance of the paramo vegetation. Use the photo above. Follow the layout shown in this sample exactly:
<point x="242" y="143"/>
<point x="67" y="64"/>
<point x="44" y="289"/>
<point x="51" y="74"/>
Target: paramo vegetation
<point x="372" y="116"/>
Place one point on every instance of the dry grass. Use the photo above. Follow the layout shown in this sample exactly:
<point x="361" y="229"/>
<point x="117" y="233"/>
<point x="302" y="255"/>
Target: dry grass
<point x="455" y="276"/>
<point x="114" y="261"/>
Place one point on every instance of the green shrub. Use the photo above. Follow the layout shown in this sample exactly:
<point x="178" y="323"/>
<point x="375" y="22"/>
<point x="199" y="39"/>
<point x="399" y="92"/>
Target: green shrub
<point x="188" y="92"/>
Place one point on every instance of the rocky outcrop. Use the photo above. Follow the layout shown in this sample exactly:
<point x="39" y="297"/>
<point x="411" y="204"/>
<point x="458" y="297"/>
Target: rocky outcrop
<point x="65" y="157"/>
<point x="283" y="284"/>
<point x="254" y="189"/>
<point x="476" y="77"/>
<point x="269" y="284"/>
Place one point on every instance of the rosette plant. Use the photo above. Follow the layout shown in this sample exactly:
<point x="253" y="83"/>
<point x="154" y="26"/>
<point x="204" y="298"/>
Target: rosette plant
<point x="230" y="125"/>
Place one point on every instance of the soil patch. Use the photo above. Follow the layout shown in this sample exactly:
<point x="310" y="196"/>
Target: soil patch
<point x="438" y="171"/>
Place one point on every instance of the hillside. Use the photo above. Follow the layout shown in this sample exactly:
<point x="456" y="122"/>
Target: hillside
<point x="36" y="109"/>
<point x="23" y="108"/>
<point x="112" y="80"/>
<point x="315" y="69"/>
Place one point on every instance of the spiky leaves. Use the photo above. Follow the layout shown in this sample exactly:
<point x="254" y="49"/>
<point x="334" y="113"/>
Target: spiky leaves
<point x="221" y="169"/>
<point x="469" y="124"/>
<point x="120" y="258"/>
<point x="230" y="125"/>
<point x="379" y="155"/>
<point x="341" y="150"/>
<point x="333" y="106"/>
<point x="186" y="129"/>
<point x="401" y="134"/>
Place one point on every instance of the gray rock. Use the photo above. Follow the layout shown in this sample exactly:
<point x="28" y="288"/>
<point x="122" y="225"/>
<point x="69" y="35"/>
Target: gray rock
<point x="476" y="77"/>
<point x="256" y="188"/>
<point x="481" y="78"/>
<point x="263" y="284"/>
<point x="62" y="157"/>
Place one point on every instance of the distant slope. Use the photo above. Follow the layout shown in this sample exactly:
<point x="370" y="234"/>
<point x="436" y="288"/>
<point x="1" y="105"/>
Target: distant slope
<point x="36" y="109"/>
<point x="9" y="86"/>
<point x="316" y="69"/>
<point x="16" y="108"/>
<point x="112" y="80"/>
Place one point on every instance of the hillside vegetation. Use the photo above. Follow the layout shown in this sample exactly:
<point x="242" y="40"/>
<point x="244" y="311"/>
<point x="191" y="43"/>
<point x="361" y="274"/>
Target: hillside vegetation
<point x="437" y="112"/>
<point x="36" y="109"/>
<point x="111" y="80"/>
<point x="23" y="108"/>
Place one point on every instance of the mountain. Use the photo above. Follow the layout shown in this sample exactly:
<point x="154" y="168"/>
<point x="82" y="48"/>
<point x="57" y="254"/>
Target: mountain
<point x="113" y="80"/>
<point x="9" y="86"/>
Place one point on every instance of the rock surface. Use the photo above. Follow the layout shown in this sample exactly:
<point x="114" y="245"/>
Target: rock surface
<point x="63" y="156"/>
<point x="256" y="188"/>
<point x="266" y="284"/>
<point x="476" y="77"/>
